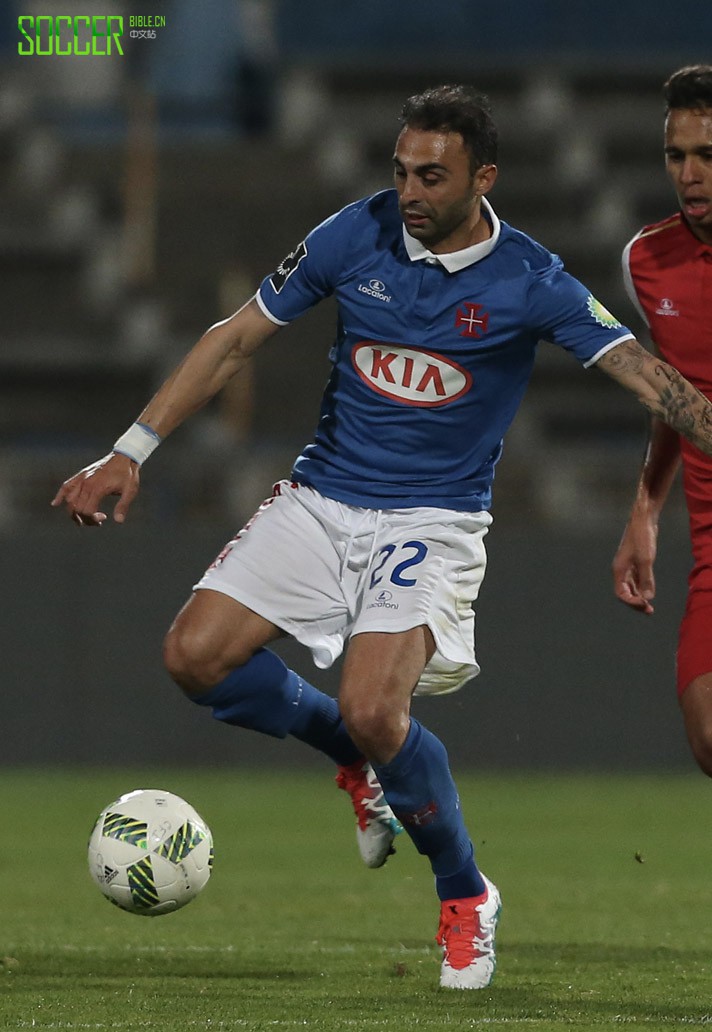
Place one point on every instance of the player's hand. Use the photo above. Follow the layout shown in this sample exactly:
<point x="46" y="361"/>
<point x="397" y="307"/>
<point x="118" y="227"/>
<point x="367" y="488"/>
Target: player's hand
<point x="84" y="493"/>
<point x="633" y="576"/>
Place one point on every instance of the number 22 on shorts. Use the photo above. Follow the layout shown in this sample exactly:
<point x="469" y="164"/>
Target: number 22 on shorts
<point x="419" y="553"/>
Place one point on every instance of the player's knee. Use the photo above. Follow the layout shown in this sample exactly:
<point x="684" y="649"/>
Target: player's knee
<point x="194" y="661"/>
<point x="187" y="660"/>
<point x="696" y="703"/>
<point x="377" y="727"/>
<point x="701" y="744"/>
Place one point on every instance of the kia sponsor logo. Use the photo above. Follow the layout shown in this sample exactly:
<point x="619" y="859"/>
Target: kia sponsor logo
<point x="410" y="375"/>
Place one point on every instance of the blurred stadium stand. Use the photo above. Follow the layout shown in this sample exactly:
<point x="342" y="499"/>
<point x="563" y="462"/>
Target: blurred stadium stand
<point x="146" y="196"/>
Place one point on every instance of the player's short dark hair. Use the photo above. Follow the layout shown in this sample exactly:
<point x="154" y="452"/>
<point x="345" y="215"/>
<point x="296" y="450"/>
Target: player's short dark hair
<point x="689" y="87"/>
<point x="455" y="109"/>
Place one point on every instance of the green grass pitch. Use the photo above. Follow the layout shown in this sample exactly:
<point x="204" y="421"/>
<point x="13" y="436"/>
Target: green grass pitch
<point x="607" y="920"/>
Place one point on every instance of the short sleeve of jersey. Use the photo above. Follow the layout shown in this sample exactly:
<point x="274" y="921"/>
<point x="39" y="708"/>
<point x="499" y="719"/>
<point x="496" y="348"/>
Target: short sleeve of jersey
<point x="628" y="280"/>
<point x="563" y="311"/>
<point x="310" y="272"/>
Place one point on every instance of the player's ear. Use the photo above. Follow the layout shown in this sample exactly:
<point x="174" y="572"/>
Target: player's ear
<point x="485" y="178"/>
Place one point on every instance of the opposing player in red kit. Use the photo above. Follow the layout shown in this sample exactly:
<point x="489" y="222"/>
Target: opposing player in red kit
<point x="668" y="273"/>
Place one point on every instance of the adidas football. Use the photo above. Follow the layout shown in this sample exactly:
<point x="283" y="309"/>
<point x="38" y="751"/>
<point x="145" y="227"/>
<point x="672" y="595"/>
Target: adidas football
<point x="150" y="852"/>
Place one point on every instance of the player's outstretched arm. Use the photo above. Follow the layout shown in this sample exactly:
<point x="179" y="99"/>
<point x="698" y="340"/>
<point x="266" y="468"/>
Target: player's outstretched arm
<point x="633" y="563"/>
<point x="216" y="358"/>
<point x="663" y="391"/>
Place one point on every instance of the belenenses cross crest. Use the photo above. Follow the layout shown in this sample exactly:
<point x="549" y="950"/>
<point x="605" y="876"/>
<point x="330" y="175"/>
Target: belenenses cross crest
<point x="474" y="323"/>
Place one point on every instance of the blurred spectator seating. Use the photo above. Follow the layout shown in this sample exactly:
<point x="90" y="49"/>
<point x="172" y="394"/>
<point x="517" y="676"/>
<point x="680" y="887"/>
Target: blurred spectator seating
<point x="85" y="341"/>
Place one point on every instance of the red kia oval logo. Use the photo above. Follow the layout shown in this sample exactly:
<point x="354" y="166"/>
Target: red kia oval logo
<point x="410" y="375"/>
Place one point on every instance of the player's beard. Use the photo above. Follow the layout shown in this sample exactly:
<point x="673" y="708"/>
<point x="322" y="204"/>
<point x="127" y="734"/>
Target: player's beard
<point x="438" y="225"/>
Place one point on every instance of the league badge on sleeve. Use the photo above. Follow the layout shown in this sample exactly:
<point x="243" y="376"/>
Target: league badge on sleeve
<point x="601" y="314"/>
<point x="287" y="266"/>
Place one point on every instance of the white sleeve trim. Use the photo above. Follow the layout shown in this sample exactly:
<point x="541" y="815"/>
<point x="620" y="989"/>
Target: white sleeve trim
<point x="265" y="311"/>
<point x="628" y="280"/>
<point x="608" y="347"/>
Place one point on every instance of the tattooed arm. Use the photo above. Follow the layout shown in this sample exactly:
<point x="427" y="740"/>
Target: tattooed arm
<point x="662" y="390"/>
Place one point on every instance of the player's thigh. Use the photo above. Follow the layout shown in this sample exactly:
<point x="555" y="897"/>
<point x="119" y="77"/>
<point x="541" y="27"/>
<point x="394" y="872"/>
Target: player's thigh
<point x="211" y="635"/>
<point x="426" y="569"/>
<point x="286" y="564"/>
<point x="696" y="705"/>
<point x="381" y="671"/>
<point x="694" y="644"/>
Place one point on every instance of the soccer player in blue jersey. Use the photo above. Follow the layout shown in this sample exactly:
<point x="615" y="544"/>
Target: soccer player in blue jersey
<point x="376" y="539"/>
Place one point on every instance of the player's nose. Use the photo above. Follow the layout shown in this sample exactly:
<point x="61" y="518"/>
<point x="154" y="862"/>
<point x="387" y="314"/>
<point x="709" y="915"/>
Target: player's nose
<point x="412" y="190"/>
<point x="690" y="170"/>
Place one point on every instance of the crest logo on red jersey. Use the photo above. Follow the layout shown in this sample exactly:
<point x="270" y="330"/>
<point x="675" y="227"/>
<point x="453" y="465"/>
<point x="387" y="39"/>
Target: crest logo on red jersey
<point x="410" y="375"/>
<point x="667" y="307"/>
<point x="474" y="324"/>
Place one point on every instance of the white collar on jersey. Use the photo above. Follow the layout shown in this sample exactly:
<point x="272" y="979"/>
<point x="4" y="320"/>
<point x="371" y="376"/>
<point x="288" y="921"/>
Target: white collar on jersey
<point x="456" y="260"/>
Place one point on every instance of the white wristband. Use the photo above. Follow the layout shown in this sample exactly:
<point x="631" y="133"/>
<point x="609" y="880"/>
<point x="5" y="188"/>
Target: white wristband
<point x="137" y="443"/>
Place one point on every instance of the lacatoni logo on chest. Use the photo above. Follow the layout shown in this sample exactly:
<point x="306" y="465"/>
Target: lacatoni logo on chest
<point x="410" y="375"/>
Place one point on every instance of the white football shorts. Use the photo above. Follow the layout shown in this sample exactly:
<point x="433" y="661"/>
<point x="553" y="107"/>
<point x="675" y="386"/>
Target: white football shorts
<point x="322" y="571"/>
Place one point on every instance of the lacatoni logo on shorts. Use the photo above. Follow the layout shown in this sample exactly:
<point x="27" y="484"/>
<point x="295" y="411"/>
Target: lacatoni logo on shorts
<point x="83" y="35"/>
<point x="383" y="601"/>
<point x="409" y="375"/>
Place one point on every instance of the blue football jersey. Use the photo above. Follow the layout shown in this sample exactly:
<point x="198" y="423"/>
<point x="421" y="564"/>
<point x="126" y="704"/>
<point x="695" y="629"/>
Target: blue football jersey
<point x="432" y="354"/>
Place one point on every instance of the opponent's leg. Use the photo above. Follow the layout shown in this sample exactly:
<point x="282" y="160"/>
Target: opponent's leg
<point x="696" y="705"/>
<point x="380" y="674"/>
<point x="694" y="676"/>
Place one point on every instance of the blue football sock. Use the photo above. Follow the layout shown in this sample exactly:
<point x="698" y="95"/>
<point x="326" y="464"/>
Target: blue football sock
<point x="265" y="695"/>
<point x="419" y="788"/>
<point x="318" y="723"/>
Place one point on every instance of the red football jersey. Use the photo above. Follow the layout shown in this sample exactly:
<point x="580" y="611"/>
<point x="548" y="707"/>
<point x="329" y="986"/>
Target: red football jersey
<point x="668" y="275"/>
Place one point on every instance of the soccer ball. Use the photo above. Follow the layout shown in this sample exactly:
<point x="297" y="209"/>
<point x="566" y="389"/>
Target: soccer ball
<point x="150" y="852"/>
